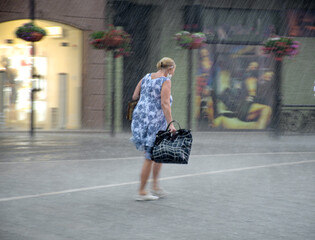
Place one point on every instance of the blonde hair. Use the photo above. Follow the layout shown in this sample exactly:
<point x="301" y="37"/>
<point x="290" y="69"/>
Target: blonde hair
<point x="165" y="62"/>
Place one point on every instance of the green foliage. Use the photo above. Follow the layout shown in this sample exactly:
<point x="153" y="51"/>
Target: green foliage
<point x="29" y="28"/>
<point x="97" y="35"/>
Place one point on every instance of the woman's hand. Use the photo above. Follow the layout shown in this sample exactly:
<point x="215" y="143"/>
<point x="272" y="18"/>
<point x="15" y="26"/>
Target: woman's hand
<point x="172" y="129"/>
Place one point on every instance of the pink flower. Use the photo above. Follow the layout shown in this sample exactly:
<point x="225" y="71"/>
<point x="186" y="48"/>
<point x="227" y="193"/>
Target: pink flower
<point x="280" y="43"/>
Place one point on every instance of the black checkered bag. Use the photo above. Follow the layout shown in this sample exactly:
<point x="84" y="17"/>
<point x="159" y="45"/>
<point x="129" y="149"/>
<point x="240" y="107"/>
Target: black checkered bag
<point x="172" y="148"/>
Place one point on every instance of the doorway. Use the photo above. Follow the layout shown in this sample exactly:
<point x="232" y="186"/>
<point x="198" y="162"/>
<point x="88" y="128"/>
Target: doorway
<point x="58" y="59"/>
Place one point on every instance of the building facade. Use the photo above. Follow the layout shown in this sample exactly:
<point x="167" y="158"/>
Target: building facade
<point x="76" y="79"/>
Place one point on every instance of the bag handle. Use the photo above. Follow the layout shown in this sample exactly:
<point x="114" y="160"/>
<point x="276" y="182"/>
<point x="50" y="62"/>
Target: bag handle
<point x="171" y="123"/>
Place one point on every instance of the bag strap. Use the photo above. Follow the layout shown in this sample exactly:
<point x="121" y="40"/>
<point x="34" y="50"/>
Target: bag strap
<point x="171" y="123"/>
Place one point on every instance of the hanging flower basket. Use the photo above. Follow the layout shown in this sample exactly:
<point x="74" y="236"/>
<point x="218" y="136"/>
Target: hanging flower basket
<point x="280" y="47"/>
<point x="189" y="40"/>
<point x="196" y="45"/>
<point x="31" y="33"/>
<point x="113" y="42"/>
<point x="97" y="40"/>
<point x="113" y="39"/>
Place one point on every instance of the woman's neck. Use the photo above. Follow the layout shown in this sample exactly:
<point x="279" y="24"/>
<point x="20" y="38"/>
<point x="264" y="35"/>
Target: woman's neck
<point x="160" y="73"/>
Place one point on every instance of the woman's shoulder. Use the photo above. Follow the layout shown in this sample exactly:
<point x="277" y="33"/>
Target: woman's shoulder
<point x="148" y="75"/>
<point x="144" y="79"/>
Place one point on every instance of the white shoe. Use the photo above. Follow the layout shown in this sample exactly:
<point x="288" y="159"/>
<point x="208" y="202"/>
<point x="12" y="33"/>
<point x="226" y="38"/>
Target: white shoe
<point x="147" y="197"/>
<point x="159" y="193"/>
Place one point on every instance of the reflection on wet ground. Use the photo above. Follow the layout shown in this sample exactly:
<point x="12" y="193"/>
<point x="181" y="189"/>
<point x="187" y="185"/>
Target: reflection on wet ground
<point x="68" y="146"/>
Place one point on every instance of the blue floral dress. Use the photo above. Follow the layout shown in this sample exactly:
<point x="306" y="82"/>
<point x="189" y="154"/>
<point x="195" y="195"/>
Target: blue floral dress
<point x="148" y="117"/>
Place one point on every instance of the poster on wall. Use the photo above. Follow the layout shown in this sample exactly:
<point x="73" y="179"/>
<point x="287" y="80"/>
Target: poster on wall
<point x="234" y="82"/>
<point x="234" y="88"/>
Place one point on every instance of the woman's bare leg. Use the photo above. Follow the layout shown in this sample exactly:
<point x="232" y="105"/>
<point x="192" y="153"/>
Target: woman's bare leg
<point x="232" y="123"/>
<point x="217" y="122"/>
<point x="235" y="123"/>
<point x="156" y="172"/>
<point x="145" y="174"/>
<point x="263" y="112"/>
<point x="264" y="118"/>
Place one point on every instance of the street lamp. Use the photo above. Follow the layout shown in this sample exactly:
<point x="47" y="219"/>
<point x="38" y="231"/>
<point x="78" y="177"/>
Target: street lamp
<point x="34" y="88"/>
<point x="36" y="82"/>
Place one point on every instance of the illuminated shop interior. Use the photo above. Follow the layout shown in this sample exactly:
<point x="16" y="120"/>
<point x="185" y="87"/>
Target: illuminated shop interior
<point x="58" y="75"/>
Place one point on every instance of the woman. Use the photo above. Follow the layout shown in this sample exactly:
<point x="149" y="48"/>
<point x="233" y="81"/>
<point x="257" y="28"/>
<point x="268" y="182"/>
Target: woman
<point x="152" y="113"/>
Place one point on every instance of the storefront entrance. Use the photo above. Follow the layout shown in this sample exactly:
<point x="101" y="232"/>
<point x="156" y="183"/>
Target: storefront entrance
<point x="58" y="68"/>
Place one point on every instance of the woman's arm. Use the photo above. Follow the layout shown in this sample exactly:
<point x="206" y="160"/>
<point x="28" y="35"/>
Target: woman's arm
<point x="136" y="93"/>
<point x="166" y="103"/>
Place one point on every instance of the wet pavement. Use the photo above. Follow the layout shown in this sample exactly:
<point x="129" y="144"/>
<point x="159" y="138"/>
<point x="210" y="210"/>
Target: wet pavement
<point x="237" y="185"/>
